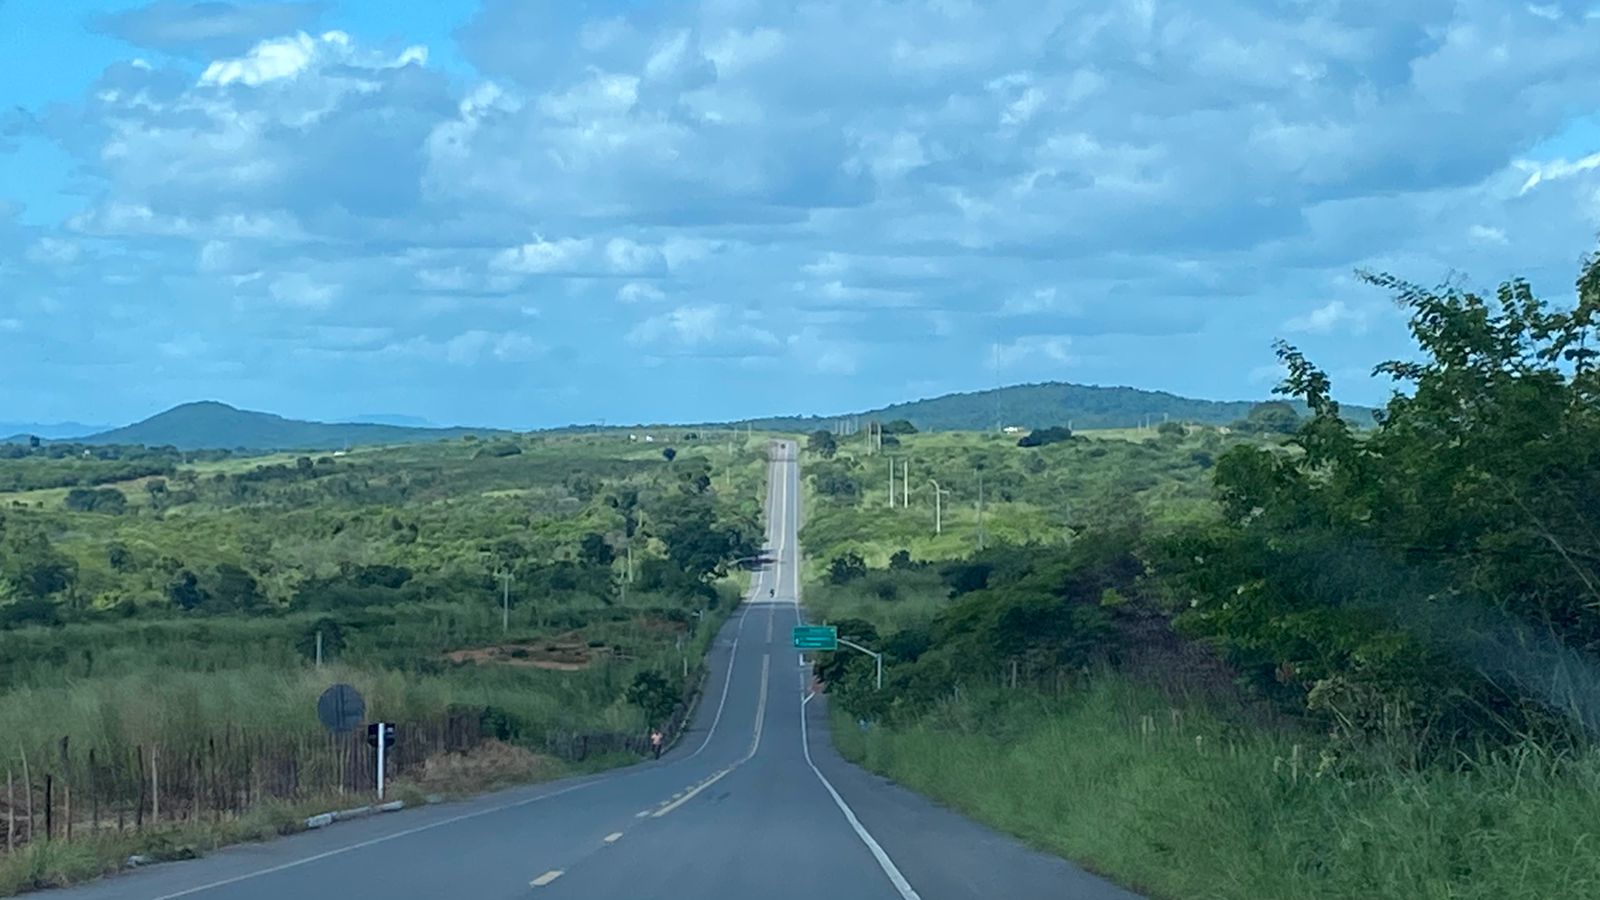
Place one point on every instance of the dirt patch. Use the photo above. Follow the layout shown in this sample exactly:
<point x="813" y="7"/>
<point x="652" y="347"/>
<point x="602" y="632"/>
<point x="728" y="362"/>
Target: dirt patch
<point x="567" y="653"/>
<point x="658" y="624"/>
<point x="491" y="764"/>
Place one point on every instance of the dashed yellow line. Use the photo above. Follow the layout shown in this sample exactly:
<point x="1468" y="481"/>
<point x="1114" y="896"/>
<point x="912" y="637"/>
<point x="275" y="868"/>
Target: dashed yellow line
<point x="691" y="794"/>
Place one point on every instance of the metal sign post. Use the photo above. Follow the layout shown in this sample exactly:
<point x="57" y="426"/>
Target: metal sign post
<point x="381" y="736"/>
<point x="876" y="657"/>
<point x="380" y="767"/>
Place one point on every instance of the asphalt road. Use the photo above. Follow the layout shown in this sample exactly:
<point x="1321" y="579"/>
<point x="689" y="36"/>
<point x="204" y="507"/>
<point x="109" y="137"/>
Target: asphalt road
<point x="752" y="802"/>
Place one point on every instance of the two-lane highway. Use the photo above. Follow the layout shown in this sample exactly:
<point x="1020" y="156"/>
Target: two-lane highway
<point x="751" y="802"/>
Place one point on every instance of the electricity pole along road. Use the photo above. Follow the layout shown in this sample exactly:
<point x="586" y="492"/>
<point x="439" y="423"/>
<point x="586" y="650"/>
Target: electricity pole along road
<point x="752" y="801"/>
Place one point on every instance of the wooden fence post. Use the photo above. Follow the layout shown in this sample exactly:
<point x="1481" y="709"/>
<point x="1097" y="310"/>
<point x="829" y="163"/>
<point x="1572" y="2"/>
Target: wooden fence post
<point x="11" y="813"/>
<point x="94" y="796"/>
<point x="27" y="790"/>
<point x="49" y="806"/>
<point x="155" y="789"/>
<point x="138" y="811"/>
<point x="66" y="787"/>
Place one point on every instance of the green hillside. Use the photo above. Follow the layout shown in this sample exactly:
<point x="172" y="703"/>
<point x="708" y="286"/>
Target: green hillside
<point x="1051" y="403"/>
<point x="209" y="424"/>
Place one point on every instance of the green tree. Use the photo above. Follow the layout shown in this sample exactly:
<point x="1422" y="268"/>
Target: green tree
<point x="1271" y="417"/>
<point x="1039" y="437"/>
<point x="822" y="443"/>
<point x="33" y="567"/>
<point x="594" y="551"/>
<point x="234" y="589"/>
<point x="899" y="426"/>
<point x="669" y="454"/>
<point x="185" y="592"/>
<point x="654" y="695"/>
<point x="1439" y="567"/>
<point x="847" y="568"/>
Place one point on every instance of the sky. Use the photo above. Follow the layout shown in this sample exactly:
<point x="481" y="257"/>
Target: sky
<point x="527" y="213"/>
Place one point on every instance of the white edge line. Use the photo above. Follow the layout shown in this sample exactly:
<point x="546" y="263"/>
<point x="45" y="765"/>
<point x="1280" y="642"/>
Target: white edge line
<point x="907" y="892"/>
<point x="546" y="878"/>
<point x="727" y="682"/>
<point x="710" y="732"/>
<point x="368" y="843"/>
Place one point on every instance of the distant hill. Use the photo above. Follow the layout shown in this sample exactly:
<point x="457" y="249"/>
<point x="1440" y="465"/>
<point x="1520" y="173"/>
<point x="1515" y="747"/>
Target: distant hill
<point x="209" y="424"/>
<point x="1042" y="405"/>
<point x="49" y="431"/>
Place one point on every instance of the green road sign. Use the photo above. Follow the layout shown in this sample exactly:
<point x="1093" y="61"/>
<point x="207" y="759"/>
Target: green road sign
<point x="816" y="637"/>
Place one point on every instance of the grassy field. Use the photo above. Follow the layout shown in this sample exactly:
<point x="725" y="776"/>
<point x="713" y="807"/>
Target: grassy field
<point x="1176" y="802"/>
<point x="1180" y="788"/>
<point x="186" y="620"/>
<point x="1037" y="495"/>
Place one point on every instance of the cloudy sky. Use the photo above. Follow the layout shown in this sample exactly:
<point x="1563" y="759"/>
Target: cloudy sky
<point x="535" y="212"/>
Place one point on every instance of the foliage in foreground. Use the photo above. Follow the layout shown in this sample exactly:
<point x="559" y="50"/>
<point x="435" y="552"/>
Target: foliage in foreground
<point x="1177" y="802"/>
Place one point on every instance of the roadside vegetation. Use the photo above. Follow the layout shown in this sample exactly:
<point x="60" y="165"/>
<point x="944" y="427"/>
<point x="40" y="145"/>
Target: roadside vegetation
<point x="1293" y="660"/>
<point x="522" y="607"/>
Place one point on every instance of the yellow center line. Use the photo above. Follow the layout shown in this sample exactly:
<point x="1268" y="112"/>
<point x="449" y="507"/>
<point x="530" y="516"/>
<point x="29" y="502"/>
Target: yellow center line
<point x="761" y="706"/>
<point x="546" y="878"/>
<point x="691" y="794"/>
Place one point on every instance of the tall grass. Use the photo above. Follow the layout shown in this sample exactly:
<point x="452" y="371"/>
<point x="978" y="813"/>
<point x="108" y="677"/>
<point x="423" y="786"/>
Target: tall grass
<point x="1178" y="804"/>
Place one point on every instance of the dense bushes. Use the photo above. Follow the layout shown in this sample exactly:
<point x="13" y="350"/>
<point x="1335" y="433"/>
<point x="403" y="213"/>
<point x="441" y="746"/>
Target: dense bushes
<point x="1442" y="574"/>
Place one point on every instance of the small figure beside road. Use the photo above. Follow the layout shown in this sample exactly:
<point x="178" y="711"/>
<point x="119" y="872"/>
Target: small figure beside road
<point x="772" y="592"/>
<point x="655" y="743"/>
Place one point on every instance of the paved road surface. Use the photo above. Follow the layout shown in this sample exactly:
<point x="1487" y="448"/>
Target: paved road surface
<point x="752" y="803"/>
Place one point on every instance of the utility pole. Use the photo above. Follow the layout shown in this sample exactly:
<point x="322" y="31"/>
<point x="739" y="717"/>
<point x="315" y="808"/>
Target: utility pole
<point x="938" y="507"/>
<point x="891" y="482"/>
<point x="980" y="509"/>
<point x="905" y="487"/>
<point x="505" y="600"/>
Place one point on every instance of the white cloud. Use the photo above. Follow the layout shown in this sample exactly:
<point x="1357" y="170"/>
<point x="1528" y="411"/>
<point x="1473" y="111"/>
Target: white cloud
<point x="468" y="348"/>
<point x="54" y="251"/>
<point x="1487" y="234"/>
<point x="540" y="256"/>
<point x="640" y="292"/>
<point x="271" y="60"/>
<point x="301" y="290"/>
<point x="1335" y="315"/>
<point x="701" y="327"/>
<point x="1541" y="173"/>
<point x="1052" y="349"/>
<point x="454" y="278"/>
<point x="632" y="258"/>
<point x="751" y="175"/>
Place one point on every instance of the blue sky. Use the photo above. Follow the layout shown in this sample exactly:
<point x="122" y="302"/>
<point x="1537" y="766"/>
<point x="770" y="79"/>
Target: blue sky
<point x="526" y="213"/>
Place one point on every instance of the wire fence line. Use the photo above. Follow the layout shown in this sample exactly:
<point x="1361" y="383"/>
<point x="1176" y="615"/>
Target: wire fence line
<point x="77" y="792"/>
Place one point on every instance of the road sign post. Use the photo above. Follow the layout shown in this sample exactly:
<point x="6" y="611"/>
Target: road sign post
<point x="816" y="637"/>
<point x="381" y="736"/>
<point x="876" y="657"/>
